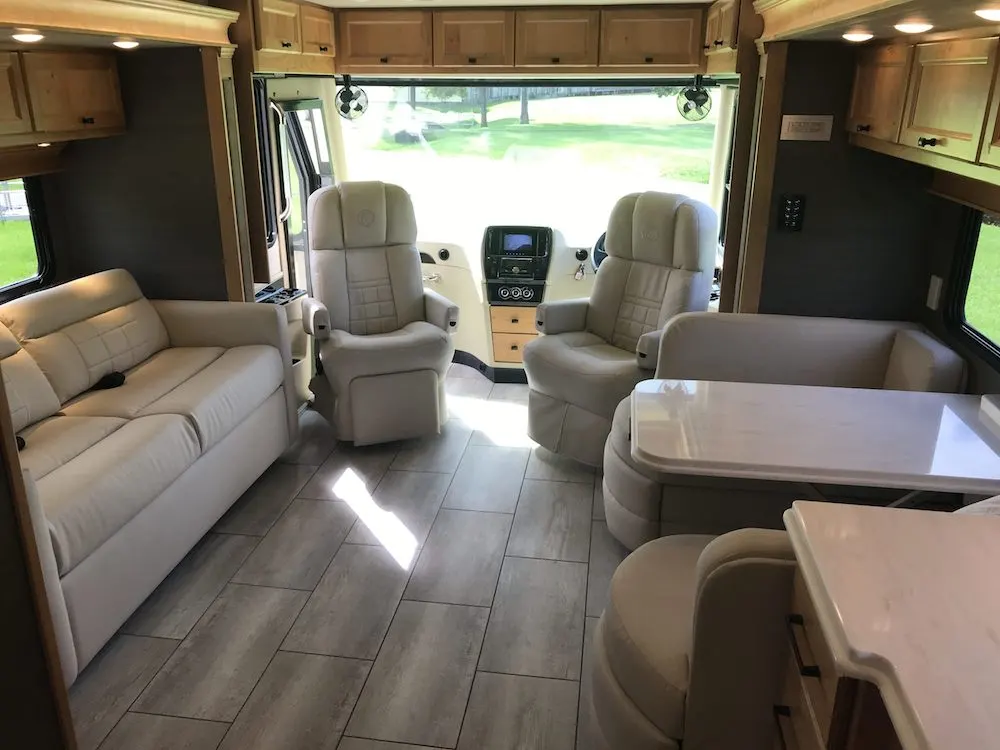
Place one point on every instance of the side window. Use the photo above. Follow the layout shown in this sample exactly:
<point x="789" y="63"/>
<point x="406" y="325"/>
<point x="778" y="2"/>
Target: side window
<point x="981" y="307"/>
<point x="25" y="262"/>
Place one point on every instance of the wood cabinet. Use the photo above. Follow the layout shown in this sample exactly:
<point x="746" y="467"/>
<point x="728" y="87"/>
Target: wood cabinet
<point x="880" y="81"/>
<point x="512" y="328"/>
<point x="385" y="38"/>
<point x="279" y="27"/>
<point x="73" y="91"/>
<point x="651" y="36"/>
<point x="948" y="95"/>
<point x="14" y="114"/>
<point x="317" y="31"/>
<point x="557" y="37"/>
<point x="509" y="347"/>
<point x="473" y="38"/>
<point x="721" y="26"/>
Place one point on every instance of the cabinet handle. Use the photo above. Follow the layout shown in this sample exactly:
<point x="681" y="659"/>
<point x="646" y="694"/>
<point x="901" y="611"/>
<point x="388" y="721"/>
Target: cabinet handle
<point x="707" y="46"/>
<point x="555" y="60"/>
<point x="472" y="61"/>
<point x="87" y="120"/>
<point x="286" y="45"/>
<point x="864" y="128"/>
<point x="806" y="670"/>
<point x="515" y="320"/>
<point x="383" y="60"/>
<point x="719" y="42"/>
<point x="323" y="48"/>
<point x="513" y="347"/>
<point x="923" y="142"/>
<point x="781" y="712"/>
<point x="648" y="60"/>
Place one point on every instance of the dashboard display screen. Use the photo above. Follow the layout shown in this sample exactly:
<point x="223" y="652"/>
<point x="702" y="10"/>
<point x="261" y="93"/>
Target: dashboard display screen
<point x="518" y="244"/>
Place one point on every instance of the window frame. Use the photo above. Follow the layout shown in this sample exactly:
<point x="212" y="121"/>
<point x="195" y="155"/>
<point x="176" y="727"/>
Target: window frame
<point x="958" y="290"/>
<point x="262" y="107"/>
<point x="39" y="219"/>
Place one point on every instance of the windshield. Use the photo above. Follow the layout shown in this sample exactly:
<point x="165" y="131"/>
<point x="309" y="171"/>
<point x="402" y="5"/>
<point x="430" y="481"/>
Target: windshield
<point x="472" y="156"/>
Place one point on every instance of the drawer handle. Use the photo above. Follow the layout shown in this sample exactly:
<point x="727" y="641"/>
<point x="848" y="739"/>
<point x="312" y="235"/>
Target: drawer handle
<point x="323" y="48"/>
<point x="864" y="128"/>
<point x="781" y="712"/>
<point x="383" y="60"/>
<point x="513" y="347"/>
<point x="286" y="45"/>
<point x="806" y="670"/>
<point x="87" y="120"/>
<point x="515" y="320"/>
<point x="923" y="142"/>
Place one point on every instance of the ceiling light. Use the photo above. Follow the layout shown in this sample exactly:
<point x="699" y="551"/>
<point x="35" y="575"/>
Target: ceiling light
<point x="44" y="145"/>
<point x="125" y="43"/>
<point x="914" y="27"/>
<point x="989" y="14"/>
<point x="858" y="36"/>
<point x="28" y="36"/>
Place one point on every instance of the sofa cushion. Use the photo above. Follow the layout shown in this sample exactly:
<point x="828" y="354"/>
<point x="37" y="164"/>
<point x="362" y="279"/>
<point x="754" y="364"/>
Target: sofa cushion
<point x="583" y="369"/>
<point x="648" y="627"/>
<point x="416" y="346"/>
<point x="89" y="498"/>
<point x="920" y="363"/>
<point x="146" y="383"/>
<point x="29" y="395"/>
<point x="80" y="331"/>
<point x="58" y="440"/>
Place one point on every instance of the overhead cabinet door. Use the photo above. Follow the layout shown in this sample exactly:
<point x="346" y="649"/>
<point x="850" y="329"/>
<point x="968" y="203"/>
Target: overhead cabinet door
<point x="482" y="38"/>
<point x="14" y="115"/>
<point x="880" y="91"/>
<point x="280" y="27"/>
<point x="651" y="36"/>
<point x="557" y="37"/>
<point x="388" y="38"/>
<point x="317" y="31"/>
<point x="73" y="91"/>
<point x="949" y="92"/>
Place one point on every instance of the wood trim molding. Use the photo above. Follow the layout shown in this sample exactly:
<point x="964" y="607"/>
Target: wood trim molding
<point x="989" y="175"/>
<point x="29" y="161"/>
<point x="163" y="20"/>
<point x="786" y="19"/>
<point x="979" y="195"/>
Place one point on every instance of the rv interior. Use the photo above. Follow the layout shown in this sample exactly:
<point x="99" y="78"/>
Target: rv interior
<point x="530" y="375"/>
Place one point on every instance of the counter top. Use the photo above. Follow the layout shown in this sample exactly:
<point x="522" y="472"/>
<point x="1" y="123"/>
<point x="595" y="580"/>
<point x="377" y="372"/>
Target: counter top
<point x="849" y="436"/>
<point x="910" y="600"/>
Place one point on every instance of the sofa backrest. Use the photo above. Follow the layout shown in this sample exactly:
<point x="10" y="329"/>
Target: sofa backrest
<point x="29" y="394"/>
<point x="780" y="349"/>
<point x="919" y="362"/>
<point x="80" y="331"/>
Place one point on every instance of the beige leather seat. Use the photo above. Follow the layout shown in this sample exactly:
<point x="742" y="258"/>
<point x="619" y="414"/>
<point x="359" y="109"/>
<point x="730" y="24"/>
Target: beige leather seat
<point x="384" y="341"/>
<point x="691" y="648"/>
<point x="661" y="255"/>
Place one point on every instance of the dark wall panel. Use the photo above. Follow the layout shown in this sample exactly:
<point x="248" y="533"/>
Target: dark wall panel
<point x="861" y="253"/>
<point x="145" y="200"/>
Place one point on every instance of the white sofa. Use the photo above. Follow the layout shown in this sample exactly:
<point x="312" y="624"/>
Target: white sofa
<point x="126" y="480"/>
<point x="642" y="505"/>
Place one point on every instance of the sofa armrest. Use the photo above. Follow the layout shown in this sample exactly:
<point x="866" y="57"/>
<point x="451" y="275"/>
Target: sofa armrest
<point x="562" y="316"/>
<point x="647" y="350"/>
<point x="315" y="319"/>
<point x="231" y="324"/>
<point x="440" y="311"/>
<point x="919" y="362"/>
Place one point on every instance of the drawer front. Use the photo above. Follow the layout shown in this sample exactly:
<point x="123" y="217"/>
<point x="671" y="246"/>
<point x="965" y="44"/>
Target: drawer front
<point x="797" y="726"/>
<point x="805" y="631"/>
<point x="513" y="320"/>
<point x="509" y="347"/>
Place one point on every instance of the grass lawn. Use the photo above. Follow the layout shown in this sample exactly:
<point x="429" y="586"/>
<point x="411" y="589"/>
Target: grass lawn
<point x="18" y="259"/>
<point x="982" y="303"/>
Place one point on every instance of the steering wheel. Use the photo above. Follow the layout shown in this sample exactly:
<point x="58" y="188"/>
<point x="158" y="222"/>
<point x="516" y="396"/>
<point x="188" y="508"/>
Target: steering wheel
<point x="597" y="257"/>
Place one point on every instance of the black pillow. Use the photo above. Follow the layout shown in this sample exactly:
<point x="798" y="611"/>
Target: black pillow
<point x="20" y="443"/>
<point x="111" y="380"/>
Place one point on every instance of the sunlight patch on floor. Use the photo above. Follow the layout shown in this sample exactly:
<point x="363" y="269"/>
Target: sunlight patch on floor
<point x="387" y="528"/>
<point x="504" y="424"/>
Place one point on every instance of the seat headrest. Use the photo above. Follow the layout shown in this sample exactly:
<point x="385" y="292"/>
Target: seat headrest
<point x="663" y="229"/>
<point x="360" y="214"/>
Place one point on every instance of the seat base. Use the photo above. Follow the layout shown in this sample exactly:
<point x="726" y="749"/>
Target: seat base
<point x="566" y="429"/>
<point x="396" y="407"/>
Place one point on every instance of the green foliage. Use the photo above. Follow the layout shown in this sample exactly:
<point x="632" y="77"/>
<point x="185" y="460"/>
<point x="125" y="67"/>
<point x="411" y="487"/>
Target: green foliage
<point x="982" y="303"/>
<point x="663" y="91"/>
<point x="446" y="93"/>
<point x="18" y="257"/>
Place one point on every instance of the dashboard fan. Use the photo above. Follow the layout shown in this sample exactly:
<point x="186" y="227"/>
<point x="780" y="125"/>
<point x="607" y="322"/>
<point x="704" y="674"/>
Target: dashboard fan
<point x="694" y="102"/>
<point x="352" y="101"/>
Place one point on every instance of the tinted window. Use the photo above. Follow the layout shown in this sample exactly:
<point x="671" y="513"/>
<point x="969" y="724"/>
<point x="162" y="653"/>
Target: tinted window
<point x="982" y="300"/>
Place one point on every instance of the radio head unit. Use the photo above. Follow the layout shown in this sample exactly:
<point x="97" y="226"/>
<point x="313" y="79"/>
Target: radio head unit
<point x="516" y="263"/>
<point x="517" y="242"/>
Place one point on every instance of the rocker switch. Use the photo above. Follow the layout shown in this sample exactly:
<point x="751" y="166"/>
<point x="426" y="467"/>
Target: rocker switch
<point x="792" y="212"/>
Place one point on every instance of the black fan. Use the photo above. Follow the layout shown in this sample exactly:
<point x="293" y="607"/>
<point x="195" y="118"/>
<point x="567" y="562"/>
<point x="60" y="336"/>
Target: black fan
<point x="694" y="102"/>
<point x="352" y="101"/>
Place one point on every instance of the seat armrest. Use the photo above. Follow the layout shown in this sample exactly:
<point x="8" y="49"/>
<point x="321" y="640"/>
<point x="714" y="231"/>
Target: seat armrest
<point x="440" y="311"/>
<point x="562" y="316"/>
<point x="647" y="350"/>
<point x="315" y="319"/>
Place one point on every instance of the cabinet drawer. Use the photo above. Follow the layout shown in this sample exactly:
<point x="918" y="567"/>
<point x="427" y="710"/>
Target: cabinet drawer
<point x="797" y="724"/>
<point x="805" y="633"/>
<point x="512" y="320"/>
<point x="509" y="347"/>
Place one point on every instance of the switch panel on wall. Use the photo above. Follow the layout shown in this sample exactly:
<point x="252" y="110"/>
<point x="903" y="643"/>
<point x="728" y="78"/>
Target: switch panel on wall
<point x="791" y="212"/>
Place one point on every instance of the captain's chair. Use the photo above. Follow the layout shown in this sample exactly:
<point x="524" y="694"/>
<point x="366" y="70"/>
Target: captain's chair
<point x="383" y="339"/>
<point x="661" y="258"/>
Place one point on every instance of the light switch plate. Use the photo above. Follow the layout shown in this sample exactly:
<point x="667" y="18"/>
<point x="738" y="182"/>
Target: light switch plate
<point x="934" y="292"/>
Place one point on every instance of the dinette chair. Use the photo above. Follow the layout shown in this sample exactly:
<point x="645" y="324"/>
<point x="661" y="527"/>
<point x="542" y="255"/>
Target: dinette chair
<point x="661" y="260"/>
<point x="384" y="341"/>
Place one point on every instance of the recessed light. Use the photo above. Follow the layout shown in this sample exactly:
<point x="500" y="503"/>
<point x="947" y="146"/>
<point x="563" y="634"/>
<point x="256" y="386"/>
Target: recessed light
<point x="28" y="36"/>
<point x="858" y="36"/>
<point x="125" y="43"/>
<point x="44" y="145"/>
<point x="989" y="14"/>
<point x="914" y="27"/>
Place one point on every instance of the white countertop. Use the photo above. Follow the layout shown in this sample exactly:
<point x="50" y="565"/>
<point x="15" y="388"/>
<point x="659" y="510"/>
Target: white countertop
<point x="910" y="600"/>
<point x="849" y="436"/>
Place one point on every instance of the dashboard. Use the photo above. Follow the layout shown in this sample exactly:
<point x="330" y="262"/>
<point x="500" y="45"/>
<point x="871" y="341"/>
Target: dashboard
<point x="516" y="264"/>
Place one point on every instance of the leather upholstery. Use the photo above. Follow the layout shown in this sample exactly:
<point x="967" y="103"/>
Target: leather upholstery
<point x="661" y="254"/>
<point x="380" y="321"/>
<point x="29" y="394"/>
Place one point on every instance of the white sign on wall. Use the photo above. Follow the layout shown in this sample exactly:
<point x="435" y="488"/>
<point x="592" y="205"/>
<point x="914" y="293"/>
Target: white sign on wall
<point x="806" y="127"/>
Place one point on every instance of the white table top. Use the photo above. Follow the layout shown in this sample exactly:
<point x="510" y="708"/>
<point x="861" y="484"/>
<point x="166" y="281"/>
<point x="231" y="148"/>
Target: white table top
<point x="847" y="436"/>
<point x="908" y="600"/>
